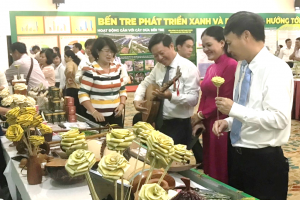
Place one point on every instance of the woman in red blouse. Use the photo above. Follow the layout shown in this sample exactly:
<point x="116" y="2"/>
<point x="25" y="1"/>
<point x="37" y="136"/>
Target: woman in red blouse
<point x="214" y="148"/>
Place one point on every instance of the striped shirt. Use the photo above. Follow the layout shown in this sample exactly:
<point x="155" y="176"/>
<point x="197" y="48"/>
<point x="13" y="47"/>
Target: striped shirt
<point x="102" y="89"/>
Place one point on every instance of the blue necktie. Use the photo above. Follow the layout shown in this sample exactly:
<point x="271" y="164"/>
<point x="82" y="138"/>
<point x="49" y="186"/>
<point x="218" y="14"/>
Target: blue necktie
<point x="240" y="99"/>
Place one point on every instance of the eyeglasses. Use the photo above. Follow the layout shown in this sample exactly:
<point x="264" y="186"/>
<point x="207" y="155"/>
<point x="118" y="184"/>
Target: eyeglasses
<point x="107" y="51"/>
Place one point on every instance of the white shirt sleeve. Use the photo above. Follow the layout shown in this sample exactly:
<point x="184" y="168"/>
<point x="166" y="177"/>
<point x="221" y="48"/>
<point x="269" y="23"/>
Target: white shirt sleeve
<point x="280" y="55"/>
<point x="229" y="121"/>
<point x="12" y="70"/>
<point x="191" y="89"/>
<point x="124" y="75"/>
<point x="83" y="63"/>
<point x="141" y="90"/>
<point x="3" y="81"/>
<point x="62" y="76"/>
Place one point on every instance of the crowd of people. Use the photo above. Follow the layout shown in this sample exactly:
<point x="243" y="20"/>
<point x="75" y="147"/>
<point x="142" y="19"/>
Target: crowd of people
<point x="288" y="53"/>
<point x="241" y="146"/>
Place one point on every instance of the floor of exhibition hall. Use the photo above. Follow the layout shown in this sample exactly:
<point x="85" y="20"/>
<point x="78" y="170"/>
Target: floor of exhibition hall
<point x="291" y="150"/>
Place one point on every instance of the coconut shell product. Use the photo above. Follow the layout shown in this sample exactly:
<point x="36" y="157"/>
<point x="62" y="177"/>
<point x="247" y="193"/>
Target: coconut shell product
<point x="69" y="101"/>
<point x="72" y="118"/>
<point x="70" y="110"/>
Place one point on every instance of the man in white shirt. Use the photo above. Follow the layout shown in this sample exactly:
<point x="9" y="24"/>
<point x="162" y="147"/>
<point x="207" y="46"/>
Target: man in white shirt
<point x="296" y="54"/>
<point x="177" y="106"/>
<point x="36" y="50"/>
<point x="260" y="117"/>
<point x="285" y="53"/>
<point x="19" y="54"/>
<point x="87" y="60"/>
<point x="77" y="50"/>
<point x="185" y="45"/>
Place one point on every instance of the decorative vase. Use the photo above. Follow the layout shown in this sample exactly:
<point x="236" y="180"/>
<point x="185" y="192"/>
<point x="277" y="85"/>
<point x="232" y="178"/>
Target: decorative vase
<point x="34" y="171"/>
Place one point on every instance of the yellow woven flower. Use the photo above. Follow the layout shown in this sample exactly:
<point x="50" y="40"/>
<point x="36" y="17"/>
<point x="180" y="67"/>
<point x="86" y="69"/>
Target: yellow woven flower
<point x="152" y="192"/>
<point x="181" y="153"/>
<point x="25" y="120"/>
<point x="45" y="129"/>
<point x="79" y="162"/>
<point x="113" y="166"/>
<point x="4" y="93"/>
<point x="14" y="133"/>
<point x="160" y="147"/>
<point x="37" y="120"/>
<point x="11" y="120"/>
<point x="28" y="110"/>
<point x="119" y="139"/>
<point x="13" y="112"/>
<point x="141" y="126"/>
<point x="36" y="140"/>
<point x="218" y="81"/>
<point x="73" y="140"/>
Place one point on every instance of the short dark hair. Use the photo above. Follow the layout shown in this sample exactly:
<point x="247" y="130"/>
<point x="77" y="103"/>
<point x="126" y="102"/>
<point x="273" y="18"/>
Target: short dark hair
<point x="217" y="33"/>
<point x="180" y="40"/>
<point x="89" y="42"/>
<point x="67" y="48"/>
<point x="54" y="55"/>
<point x="280" y="46"/>
<point x="78" y="45"/>
<point x="71" y="54"/>
<point x="158" y="38"/>
<point x="56" y="49"/>
<point x="287" y="40"/>
<point x="242" y="21"/>
<point x="35" y="47"/>
<point x="49" y="55"/>
<point x="102" y="42"/>
<point x="298" y="38"/>
<point x="19" y="46"/>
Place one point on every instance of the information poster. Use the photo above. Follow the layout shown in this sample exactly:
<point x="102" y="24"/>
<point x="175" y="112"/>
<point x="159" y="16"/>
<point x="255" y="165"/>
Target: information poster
<point x="83" y="25"/>
<point x="41" y="41"/>
<point x="134" y="54"/>
<point x="132" y="32"/>
<point x="29" y="25"/>
<point x="57" y="25"/>
<point x="134" y="43"/>
<point x="138" y="66"/>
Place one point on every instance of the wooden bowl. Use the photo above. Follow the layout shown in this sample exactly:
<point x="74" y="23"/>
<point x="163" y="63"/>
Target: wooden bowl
<point x="164" y="184"/>
<point x="156" y="174"/>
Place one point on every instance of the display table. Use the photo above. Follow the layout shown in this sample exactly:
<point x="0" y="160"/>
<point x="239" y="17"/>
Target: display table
<point x="296" y="101"/>
<point x="47" y="190"/>
<point x="51" y="190"/>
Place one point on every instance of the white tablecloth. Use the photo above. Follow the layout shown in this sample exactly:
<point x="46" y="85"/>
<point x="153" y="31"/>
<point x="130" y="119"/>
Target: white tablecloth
<point x="47" y="190"/>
